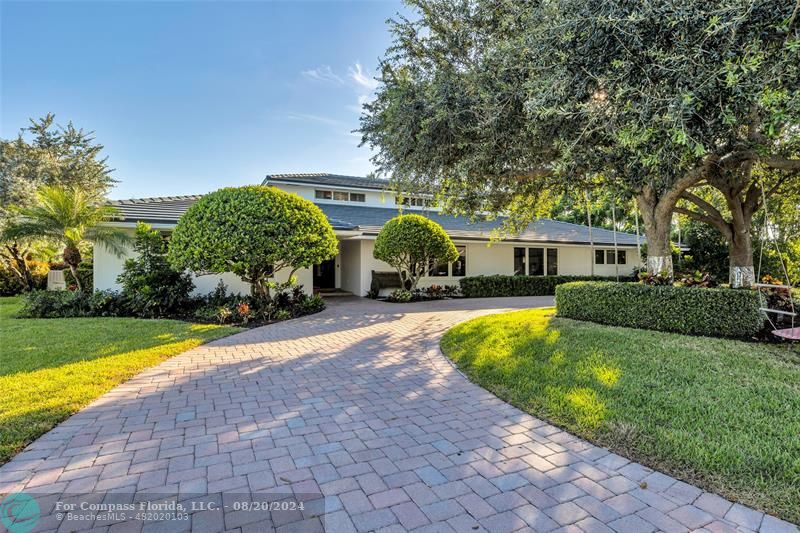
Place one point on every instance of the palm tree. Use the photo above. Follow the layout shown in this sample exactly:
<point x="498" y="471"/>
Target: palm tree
<point x="69" y="216"/>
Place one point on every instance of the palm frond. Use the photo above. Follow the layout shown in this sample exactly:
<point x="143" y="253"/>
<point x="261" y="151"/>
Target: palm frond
<point x="115" y="239"/>
<point x="69" y="215"/>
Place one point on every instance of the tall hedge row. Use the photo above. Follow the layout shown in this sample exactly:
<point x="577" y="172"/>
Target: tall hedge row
<point x="692" y="311"/>
<point x="499" y="285"/>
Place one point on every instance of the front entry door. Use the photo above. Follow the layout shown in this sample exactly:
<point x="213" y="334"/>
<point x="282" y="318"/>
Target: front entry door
<point x="325" y="275"/>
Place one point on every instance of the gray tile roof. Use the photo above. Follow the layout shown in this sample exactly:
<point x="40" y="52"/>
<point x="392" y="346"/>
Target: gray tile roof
<point x="329" y="180"/>
<point x="167" y="210"/>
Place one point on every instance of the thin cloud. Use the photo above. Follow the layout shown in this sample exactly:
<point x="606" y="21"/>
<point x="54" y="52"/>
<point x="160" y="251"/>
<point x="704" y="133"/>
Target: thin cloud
<point x="357" y="75"/>
<point x="323" y="74"/>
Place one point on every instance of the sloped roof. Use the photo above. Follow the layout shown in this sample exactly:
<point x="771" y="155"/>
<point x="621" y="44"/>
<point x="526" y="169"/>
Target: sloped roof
<point x="163" y="209"/>
<point x="329" y="180"/>
<point x="167" y="210"/>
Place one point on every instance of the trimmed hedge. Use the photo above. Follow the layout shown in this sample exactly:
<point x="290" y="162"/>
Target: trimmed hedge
<point x="499" y="285"/>
<point x="691" y="311"/>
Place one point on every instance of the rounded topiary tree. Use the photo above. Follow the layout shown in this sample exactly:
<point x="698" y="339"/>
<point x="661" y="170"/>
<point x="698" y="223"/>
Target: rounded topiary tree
<point x="413" y="244"/>
<point x="252" y="231"/>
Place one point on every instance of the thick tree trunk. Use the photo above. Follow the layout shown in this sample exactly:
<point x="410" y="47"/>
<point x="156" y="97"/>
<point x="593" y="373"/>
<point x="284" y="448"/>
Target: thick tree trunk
<point x="657" y="219"/>
<point x="742" y="271"/>
<point x="742" y="205"/>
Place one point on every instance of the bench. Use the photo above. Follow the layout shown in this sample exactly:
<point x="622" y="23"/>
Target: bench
<point x="385" y="280"/>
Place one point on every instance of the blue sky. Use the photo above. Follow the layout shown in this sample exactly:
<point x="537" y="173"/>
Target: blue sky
<point x="188" y="97"/>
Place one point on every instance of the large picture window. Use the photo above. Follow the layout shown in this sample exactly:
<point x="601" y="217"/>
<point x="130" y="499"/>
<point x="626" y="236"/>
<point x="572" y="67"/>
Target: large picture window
<point x="536" y="261"/>
<point x="439" y="270"/>
<point x="455" y="269"/>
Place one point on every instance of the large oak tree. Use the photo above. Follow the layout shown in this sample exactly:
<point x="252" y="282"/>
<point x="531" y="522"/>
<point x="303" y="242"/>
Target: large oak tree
<point x="492" y="102"/>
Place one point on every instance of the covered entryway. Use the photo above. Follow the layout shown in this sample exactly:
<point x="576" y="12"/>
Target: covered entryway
<point x="325" y="275"/>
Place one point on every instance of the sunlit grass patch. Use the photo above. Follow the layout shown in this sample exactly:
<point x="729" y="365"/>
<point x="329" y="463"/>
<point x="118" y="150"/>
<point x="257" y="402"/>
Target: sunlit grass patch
<point x="51" y="368"/>
<point x="720" y="413"/>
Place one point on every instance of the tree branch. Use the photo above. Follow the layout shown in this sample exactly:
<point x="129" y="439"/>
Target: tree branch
<point x="782" y="163"/>
<point x="719" y="224"/>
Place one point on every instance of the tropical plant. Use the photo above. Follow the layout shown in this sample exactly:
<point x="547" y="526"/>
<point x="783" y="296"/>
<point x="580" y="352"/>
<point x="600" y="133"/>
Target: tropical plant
<point x="254" y="232"/>
<point x="413" y="244"/>
<point x="150" y="286"/>
<point x="494" y="105"/>
<point x="71" y="217"/>
<point x="401" y="296"/>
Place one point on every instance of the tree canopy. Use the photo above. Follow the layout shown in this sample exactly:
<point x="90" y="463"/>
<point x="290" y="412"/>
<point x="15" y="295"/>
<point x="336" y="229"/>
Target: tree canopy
<point x="492" y="103"/>
<point x="413" y="244"/>
<point x="252" y="231"/>
<point x="46" y="154"/>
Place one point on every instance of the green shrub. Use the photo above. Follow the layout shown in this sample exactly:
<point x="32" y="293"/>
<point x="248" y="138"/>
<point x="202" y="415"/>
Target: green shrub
<point x="499" y="285"/>
<point x="252" y="231"/>
<point x="150" y="286"/>
<point x="288" y="301"/>
<point x="311" y="305"/>
<point x="401" y="296"/>
<point x="70" y="304"/>
<point x="412" y="244"/>
<point x="692" y="311"/>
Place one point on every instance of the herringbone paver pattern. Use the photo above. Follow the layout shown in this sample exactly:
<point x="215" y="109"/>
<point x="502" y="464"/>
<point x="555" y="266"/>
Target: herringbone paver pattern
<point x="356" y="411"/>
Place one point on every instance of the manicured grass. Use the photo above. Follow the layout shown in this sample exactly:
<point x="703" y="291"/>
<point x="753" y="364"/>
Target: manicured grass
<point x="719" y="413"/>
<point x="51" y="368"/>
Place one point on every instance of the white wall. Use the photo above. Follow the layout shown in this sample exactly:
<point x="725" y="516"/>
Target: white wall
<point x="108" y="266"/>
<point x="350" y="261"/>
<point x="497" y="258"/>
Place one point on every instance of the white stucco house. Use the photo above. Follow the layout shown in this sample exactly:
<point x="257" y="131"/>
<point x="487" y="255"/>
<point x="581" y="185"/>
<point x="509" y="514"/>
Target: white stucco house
<point x="358" y="207"/>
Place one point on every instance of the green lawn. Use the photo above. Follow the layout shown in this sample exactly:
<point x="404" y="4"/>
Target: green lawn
<point x="50" y="368"/>
<point x="720" y="413"/>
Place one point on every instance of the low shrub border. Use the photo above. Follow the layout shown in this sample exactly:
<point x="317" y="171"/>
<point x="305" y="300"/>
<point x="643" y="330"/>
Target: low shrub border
<point x="500" y="285"/>
<point x="288" y="302"/>
<point x="691" y="311"/>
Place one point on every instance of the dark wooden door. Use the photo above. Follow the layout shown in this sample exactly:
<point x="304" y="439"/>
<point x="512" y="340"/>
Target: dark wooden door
<point x="325" y="275"/>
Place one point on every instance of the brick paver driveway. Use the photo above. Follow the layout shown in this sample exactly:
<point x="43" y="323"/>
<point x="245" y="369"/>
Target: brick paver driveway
<point x="358" y="413"/>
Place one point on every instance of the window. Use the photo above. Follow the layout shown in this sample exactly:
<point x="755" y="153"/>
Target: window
<point x="414" y="201"/>
<point x="536" y="261"/>
<point x="341" y="196"/>
<point x="460" y="264"/>
<point x="454" y="269"/>
<point x="607" y="257"/>
<point x="552" y="261"/>
<point x="519" y="261"/>
<point x="599" y="257"/>
<point x="439" y="270"/>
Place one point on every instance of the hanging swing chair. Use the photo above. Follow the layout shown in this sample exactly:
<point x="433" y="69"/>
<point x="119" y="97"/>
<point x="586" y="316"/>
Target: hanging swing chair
<point x="791" y="333"/>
